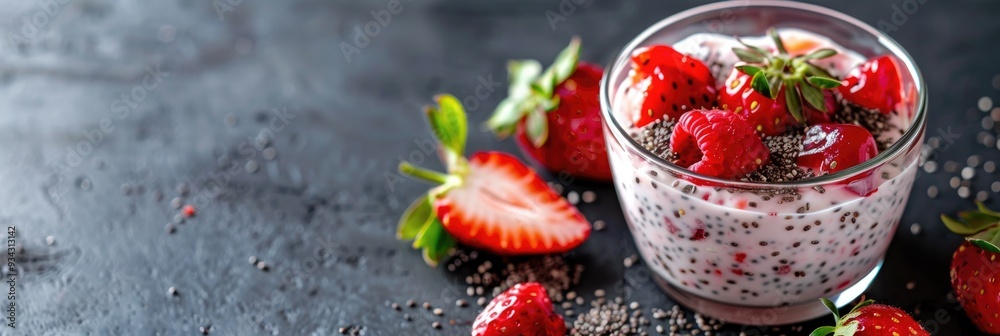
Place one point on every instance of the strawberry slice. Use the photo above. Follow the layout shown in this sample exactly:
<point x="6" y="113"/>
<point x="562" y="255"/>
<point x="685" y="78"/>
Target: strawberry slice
<point x="830" y="148"/>
<point x="492" y="201"/>
<point x="524" y="309"/>
<point x="505" y="208"/>
<point x="670" y="83"/>
<point x="874" y="85"/>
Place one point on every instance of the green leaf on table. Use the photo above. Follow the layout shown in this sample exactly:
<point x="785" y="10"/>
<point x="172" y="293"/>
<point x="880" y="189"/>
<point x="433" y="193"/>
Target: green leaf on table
<point x="414" y="218"/>
<point x="449" y="123"/>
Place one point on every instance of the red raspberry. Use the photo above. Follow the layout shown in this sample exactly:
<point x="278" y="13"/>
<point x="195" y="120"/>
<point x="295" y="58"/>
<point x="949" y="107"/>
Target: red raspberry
<point x="717" y="143"/>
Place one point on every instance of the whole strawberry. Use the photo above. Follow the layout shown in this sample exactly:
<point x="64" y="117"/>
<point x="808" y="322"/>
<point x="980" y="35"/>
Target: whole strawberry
<point x="556" y="114"/>
<point x="490" y="201"/>
<point x="776" y="91"/>
<point x="524" y="309"/>
<point x="868" y="319"/>
<point x="975" y="266"/>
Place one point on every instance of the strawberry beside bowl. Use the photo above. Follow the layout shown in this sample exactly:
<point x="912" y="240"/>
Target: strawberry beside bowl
<point x="756" y="236"/>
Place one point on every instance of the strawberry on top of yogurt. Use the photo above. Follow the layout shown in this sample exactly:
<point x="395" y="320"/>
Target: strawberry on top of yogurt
<point x="779" y="86"/>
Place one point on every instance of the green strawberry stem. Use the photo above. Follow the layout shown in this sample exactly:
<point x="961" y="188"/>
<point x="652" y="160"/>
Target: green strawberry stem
<point x="426" y="175"/>
<point x="419" y="222"/>
<point x="801" y="79"/>
<point x="531" y="94"/>
<point x="981" y="227"/>
<point x="839" y="327"/>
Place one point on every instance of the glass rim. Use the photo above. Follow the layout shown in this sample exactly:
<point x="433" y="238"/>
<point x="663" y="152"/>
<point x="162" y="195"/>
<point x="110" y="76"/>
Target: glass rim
<point x="912" y="133"/>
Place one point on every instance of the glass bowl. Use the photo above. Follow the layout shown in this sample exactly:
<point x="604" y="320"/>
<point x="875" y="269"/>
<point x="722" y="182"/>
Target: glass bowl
<point x="763" y="253"/>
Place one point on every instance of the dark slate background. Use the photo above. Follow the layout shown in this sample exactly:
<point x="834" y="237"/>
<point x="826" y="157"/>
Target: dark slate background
<point x="321" y="213"/>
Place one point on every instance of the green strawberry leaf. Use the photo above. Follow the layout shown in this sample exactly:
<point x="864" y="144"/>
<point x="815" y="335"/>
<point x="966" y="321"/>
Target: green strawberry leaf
<point x="759" y="84"/>
<point x="750" y="70"/>
<point x="775" y="83"/>
<point x="537" y="128"/>
<point x="823" y="331"/>
<point x="820" y="54"/>
<point x="435" y="242"/>
<point x="969" y="224"/>
<point x="832" y="307"/>
<point x="448" y="121"/>
<point x="560" y="70"/>
<point x="982" y="208"/>
<point x="565" y="64"/>
<point x="988" y="240"/>
<point x="748" y="55"/>
<point x="764" y="54"/>
<point x="414" y="218"/>
<point x="520" y="74"/>
<point x="823" y="82"/>
<point x="778" y="44"/>
<point x="794" y="103"/>
<point x="505" y="117"/>
<point x="443" y="247"/>
<point x="813" y="70"/>
<point x="813" y="96"/>
<point x="512" y="109"/>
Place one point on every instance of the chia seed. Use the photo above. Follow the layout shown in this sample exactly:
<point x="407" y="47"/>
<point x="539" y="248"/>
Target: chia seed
<point x="589" y="196"/>
<point x="599" y="225"/>
<point x="573" y="197"/>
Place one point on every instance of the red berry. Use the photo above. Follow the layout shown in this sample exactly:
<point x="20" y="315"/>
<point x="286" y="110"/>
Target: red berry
<point x="767" y="116"/>
<point x="670" y="83"/>
<point x="975" y="276"/>
<point x="504" y="207"/>
<point x="717" y="143"/>
<point x="576" y="138"/>
<point x="188" y="210"/>
<point x="524" y="309"/>
<point x="867" y="319"/>
<point x="829" y="148"/>
<point x="874" y="85"/>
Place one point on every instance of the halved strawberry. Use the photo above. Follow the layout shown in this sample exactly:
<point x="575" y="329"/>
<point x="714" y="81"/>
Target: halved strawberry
<point x="504" y="207"/>
<point x="524" y="309"/>
<point x="670" y="83"/>
<point x="830" y="148"/>
<point x="874" y="85"/>
<point x="492" y="201"/>
<point x="769" y="87"/>
<point x="868" y="319"/>
<point x="556" y="115"/>
<point x="975" y="266"/>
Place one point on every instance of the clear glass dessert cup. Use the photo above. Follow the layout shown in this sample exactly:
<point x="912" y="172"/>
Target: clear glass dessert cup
<point x="763" y="253"/>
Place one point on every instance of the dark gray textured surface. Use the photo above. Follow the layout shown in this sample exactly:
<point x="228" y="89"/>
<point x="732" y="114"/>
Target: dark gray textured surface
<point x="321" y="213"/>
